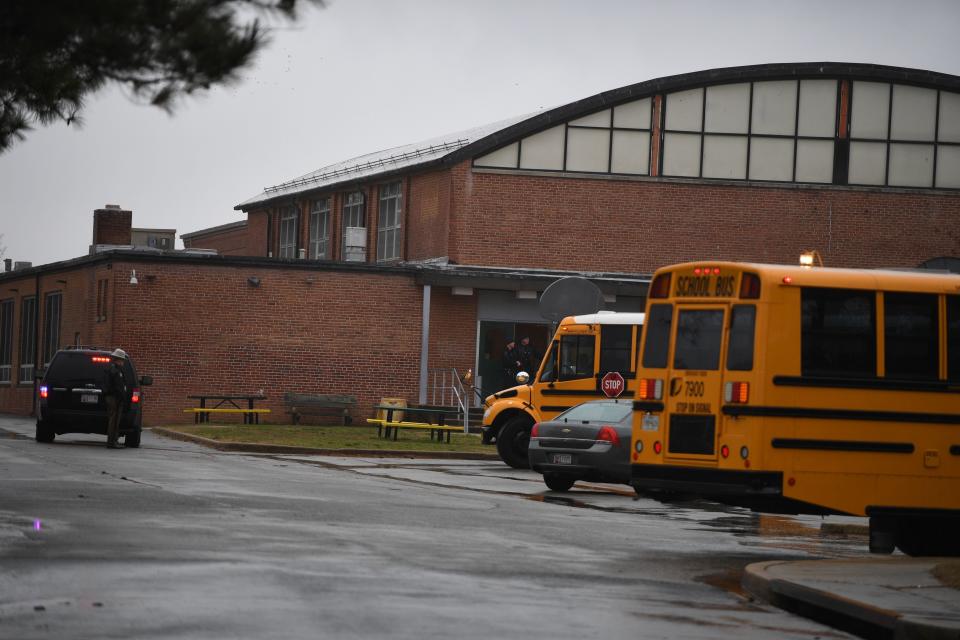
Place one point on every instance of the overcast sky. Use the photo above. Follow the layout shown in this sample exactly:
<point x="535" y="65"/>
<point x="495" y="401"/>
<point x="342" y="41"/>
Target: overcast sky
<point x="364" y="75"/>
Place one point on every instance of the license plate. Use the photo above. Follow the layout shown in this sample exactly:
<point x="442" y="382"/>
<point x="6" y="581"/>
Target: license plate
<point x="89" y="398"/>
<point x="562" y="458"/>
<point x="650" y="422"/>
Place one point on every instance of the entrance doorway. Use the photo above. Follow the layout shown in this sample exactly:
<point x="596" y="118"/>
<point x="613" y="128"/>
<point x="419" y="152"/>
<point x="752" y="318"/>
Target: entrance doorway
<point x="494" y="336"/>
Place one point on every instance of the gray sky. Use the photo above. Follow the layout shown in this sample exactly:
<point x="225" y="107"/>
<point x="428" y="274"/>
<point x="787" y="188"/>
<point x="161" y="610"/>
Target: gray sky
<point x="365" y="75"/>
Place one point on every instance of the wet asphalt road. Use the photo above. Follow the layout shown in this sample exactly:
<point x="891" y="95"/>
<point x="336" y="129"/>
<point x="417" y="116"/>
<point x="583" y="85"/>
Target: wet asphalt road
<point x="173" y="540"/>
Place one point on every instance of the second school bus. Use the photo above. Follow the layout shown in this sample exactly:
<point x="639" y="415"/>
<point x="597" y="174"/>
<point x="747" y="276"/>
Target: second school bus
<point x="806" y="390"/>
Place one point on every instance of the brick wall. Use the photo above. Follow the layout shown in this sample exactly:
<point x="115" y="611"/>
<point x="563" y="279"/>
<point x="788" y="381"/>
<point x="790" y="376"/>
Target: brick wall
<point x="637" y="226"/>
<point x="228" y="242"/>
<point x="111" y="225"/>
<point x="427" y="216"/>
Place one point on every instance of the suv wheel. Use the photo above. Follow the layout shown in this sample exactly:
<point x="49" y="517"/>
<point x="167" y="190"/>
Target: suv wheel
<point x="132" y="439"/>
<point x="45" y="432"/>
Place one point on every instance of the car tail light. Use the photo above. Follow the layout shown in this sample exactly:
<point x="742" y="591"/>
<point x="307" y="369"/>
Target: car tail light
<point x="535" y="432"/>
<point x="650" y="389"/>
<point x="736" y="392"/>
<point x="609" y="434"/>
<point x="135" y="396"/>
<point x="43" y="391"/>
<point x="725" y="451"/>
<point x="657" y="447"/>
<point x="660" y="287"/>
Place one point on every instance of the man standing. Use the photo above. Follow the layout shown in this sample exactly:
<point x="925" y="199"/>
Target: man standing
<point x="529" y="357"/>
<point x="511" y="362"/>
<point x="115" y="394"/>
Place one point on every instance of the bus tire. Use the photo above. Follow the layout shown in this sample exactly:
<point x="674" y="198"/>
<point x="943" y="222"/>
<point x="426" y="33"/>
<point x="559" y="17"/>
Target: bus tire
<point x="513" y="442"/>
<point x="928" y="537"/>
<point x="883" y="535"/>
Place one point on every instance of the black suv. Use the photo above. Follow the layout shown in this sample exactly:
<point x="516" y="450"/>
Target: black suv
<point x="71" y="395"/>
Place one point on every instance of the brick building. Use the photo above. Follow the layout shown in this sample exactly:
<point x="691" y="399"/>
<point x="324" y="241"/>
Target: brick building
<point x="362" y="276"/>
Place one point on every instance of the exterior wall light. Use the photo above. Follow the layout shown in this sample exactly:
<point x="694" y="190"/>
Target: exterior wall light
<point x="253" y="281"/>
<point x="133" y="277"/>
<point x="809" y="258"/>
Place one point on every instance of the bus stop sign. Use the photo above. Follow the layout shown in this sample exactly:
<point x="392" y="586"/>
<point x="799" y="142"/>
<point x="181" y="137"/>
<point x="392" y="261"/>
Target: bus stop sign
<point x="612" y="384"/>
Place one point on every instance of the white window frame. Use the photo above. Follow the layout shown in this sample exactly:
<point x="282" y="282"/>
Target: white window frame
<point x="320" y="229"/>
<point x="389" y="222"/>
<point x="289" y="219"/>
<point x="28" y="339"/>
<point x="6" y="341"/>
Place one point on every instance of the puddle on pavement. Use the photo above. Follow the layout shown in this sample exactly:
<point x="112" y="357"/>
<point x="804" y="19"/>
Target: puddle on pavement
<point x="12" y="435"/>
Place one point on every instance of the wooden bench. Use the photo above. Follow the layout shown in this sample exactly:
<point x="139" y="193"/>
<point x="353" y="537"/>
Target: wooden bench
<point x="250" y="416"/>
<point x="386" y="427"/>
<point x="316" y="404"/>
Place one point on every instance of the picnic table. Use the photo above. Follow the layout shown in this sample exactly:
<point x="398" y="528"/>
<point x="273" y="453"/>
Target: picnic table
<point x="227" y="403"/>
<point x="387" y="426"/>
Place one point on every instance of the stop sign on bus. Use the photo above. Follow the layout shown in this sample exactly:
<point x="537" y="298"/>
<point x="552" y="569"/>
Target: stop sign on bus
<point x="612" y="384"/>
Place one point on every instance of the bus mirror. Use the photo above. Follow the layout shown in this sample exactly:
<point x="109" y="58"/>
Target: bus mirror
<point x="523" y="377"/>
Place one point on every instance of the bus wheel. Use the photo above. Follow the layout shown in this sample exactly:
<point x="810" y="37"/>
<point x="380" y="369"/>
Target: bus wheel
<point x="883" y="534"/>
<point x="513" y="441"/>
<point x="928" y="537"/>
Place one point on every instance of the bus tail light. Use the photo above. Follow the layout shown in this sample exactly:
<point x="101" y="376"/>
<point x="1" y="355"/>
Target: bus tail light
<point x="650" y="389"/>
<point x="660" y="287"/>
<point x="608" y="434"/>
<point x="657" y="447"/>
<point x="44" y="392"/>
<point x="750" y="286"/>
<point x="135" y="396"/>
<point x="725" y="451"/>
<point x="736" y="392"/>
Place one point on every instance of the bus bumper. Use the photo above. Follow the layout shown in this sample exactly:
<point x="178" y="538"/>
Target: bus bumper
<point x="706" y="482"/>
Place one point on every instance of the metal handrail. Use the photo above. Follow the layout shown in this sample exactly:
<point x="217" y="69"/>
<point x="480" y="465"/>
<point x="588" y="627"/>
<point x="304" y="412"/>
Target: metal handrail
<point x="452" y="392"/>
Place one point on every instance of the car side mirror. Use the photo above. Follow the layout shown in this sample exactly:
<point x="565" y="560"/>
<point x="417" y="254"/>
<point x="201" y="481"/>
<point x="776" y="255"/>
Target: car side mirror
<point x="146" y="381"/>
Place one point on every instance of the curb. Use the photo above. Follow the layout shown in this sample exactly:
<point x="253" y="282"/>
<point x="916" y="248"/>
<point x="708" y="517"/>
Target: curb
<point x="249" y="447"/>
<point x="835" y="610"/>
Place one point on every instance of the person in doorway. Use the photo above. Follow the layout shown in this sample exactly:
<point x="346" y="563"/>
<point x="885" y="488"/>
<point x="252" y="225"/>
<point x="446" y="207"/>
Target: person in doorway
<point x="512" y="362"/>
<point x="529" y="357"/>
<point x="115" y="394"/>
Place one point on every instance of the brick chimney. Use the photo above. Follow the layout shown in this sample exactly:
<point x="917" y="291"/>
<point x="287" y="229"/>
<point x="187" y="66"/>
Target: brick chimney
<point x="111" y="225"/>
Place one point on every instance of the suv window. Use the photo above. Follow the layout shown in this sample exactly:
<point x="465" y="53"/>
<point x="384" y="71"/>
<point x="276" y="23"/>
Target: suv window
<point x="70" y="367"/>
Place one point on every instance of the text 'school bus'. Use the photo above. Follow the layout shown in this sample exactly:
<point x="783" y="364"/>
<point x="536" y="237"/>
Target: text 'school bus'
<point x="806" y="390"/>
<point x="583" y="350"/>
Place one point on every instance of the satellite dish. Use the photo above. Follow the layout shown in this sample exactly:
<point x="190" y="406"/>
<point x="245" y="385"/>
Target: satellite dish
<point x="571" y="296"/>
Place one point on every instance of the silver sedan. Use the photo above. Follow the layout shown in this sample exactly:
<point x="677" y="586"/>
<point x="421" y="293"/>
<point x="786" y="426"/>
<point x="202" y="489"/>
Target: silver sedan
<point x="590" y="441"/>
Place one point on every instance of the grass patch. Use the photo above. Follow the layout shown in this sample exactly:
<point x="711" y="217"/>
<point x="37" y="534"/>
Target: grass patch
<point x="334" y="437"/>
<point x="948" y="573"/>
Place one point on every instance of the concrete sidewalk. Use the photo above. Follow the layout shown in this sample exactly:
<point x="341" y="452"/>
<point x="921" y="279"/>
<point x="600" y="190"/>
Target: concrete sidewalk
<point x="887" y="597"/>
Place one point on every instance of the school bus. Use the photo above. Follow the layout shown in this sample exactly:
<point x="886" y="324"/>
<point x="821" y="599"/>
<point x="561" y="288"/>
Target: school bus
<point x="583" y="350"/>
<point x="806" y="390"/>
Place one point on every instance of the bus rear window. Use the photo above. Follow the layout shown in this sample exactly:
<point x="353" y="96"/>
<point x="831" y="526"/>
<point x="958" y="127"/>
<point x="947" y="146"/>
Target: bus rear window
<point x="911" y="336"/>
<point x="838" y="333"/>
<point x="699" y="333"/>
<point x="657" y="343"/>
<point x="742" y="326"/>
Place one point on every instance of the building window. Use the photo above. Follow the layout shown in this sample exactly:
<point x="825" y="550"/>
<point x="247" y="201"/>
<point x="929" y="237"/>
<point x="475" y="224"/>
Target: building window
<point x="388" y="223"/>
<point x="354" y="227"/>
<point x="28" y="338"/>
<point x="6" y="340"/>
<point x="289" y="224"/>
<point x="777" y="131"/>
<point x="904" y="136"/>
<point x="320" y="230"/>
<point x="53" y="304"/>
<point x="102" y="300"/>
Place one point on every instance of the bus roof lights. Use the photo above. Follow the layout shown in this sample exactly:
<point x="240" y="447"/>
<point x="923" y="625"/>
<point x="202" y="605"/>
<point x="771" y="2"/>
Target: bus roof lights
<point x="750" y="286"/>
<point x="787" y="280"/>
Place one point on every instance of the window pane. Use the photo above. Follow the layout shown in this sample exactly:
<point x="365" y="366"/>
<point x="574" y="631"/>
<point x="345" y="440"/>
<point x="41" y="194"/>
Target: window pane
<point x="6" y="340"/>
<point x="814" y="161"/>
<point x="699" y="333"/>
<point x="818" y="108"/>
<point x="838" y="333"/>
<point x="543" y="150"/>
<point x="505" y="157"/>
<point x="868" y="162"/>
<point x="871" y="106"/>
<point x="588" y="150"/>
<point x="549" y="373"/>
<point x="740" y="349"/>
<point x="911" y="165"/>
<point x="633" y="115"/>
<point x="576" y="357"/>
<point x="599" y="119"/>
<point x="728" y="108"/>
<point x="948" y="167"/>
<point x="51" y="325"/>
<point x="657" y="342"/>
<point x="725" y="157"/>
<point x="774" y="107"/>
<point x="911" y="335"/>
<point x="949" y="127"/>
<point x="914" y="113"/>
<point x="615" y="341"/>
<point x="684" y="110"/>
<point x="681" y="154"/>
<point x="28" y="310"/>
<point x="631" y="152"/>
<point x="953" y="338"/>
<point x="771" y="159"/>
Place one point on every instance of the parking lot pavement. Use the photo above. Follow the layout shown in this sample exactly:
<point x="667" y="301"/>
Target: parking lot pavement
<point x="896" y="597"/>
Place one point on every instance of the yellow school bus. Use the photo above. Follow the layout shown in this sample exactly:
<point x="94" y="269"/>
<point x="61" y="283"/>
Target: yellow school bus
<point x="806" y="390"/>
<point x="583" y="350"/>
